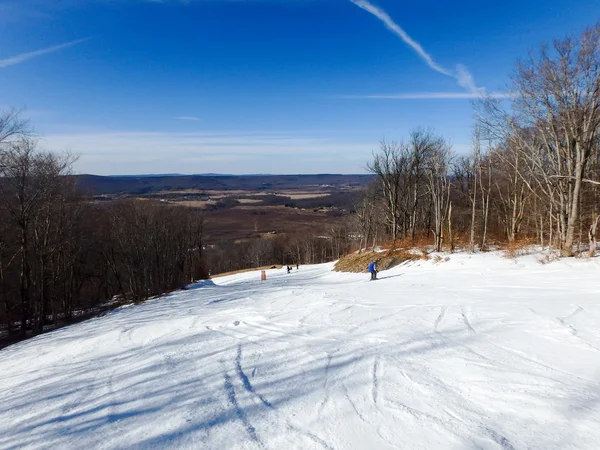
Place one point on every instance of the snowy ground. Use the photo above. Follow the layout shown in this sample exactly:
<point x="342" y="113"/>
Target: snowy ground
<point x="477" y="352"/>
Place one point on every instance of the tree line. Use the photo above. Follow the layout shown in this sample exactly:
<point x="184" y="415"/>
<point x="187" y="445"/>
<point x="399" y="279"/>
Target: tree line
<point x="65" y="257"/>
<point x="308" y="246"/>
<point x="533" y="172"/>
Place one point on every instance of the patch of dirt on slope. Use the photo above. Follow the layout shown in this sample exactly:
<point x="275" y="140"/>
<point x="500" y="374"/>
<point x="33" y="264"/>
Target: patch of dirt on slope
<point x="359" y="262"/>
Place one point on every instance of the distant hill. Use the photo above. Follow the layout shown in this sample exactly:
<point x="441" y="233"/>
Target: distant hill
<point x="145" y="184"/>
<point x="150" y="175"/>
<point x="158" y="175"/>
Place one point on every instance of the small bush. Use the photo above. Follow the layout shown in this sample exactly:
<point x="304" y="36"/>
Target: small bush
<point x="549" y="257"/>
<point x="518" y="248"/>
<point x="437" y="259"/>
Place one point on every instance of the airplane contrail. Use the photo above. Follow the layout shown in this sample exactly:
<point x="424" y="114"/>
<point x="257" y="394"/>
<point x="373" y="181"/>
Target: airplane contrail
<point x="462" y="75"/>
<point x="18" y="59"/>
<point x="396" y="29"/>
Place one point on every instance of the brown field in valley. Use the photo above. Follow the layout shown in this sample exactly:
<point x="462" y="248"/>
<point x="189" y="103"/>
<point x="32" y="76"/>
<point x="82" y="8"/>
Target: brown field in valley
<point x="237" y="194"/>
<point x="304" y="195"/>
<point x="201" y="204"/>
<point x="242" y="208"/>
<point x="245" y="222"/>
<point x="249" y="201"/>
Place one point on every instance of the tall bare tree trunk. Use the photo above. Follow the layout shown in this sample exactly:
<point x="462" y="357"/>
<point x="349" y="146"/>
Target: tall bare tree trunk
<point x="567" y="249"/>
<point x="485" y="201"/>
<point x="592" y="236"/>
<point x="450" y="235"/>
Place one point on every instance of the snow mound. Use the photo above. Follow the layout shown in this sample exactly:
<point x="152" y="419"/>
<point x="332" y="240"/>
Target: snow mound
<point x="478" y="352"/>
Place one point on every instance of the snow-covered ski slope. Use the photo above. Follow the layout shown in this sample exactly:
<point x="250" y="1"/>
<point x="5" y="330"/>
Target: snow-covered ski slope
<point x="477" y="352"/>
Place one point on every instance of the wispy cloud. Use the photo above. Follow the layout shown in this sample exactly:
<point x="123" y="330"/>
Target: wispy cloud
<point x="462" y="75"/>
<point x="465" y="79"/>
<point x="190" y="118"/>
<point x="18" y="59"/>
<point x="431" y="96"/>
<point x="227" y="152"/>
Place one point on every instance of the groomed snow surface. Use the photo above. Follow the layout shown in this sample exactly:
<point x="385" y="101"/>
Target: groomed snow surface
<point x="476" y="352"/>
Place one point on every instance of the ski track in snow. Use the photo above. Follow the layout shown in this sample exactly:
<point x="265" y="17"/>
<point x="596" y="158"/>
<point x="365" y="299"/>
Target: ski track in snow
<point x="500" y="440"/>
<point x="375" y="381"/>
<point x="239" y="412"/>
<point x="316" y="439"/>
<point x="325" y="383"/>
<point x="465" y="318"/>
<point x="245" y="381"/>
<point x="440" y="317"/>
<point x="476" y="352"/>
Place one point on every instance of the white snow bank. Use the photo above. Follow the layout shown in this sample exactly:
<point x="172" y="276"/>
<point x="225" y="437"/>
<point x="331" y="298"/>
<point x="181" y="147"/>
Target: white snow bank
<point x="477" y="352"/>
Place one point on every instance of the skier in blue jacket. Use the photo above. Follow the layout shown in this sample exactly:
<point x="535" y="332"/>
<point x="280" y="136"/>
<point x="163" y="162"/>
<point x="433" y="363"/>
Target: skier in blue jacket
<point x="373" y="270"/>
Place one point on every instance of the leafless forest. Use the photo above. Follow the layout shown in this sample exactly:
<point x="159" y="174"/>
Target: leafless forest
<point x="532" y="177"/>
<point x="533" y="173"/>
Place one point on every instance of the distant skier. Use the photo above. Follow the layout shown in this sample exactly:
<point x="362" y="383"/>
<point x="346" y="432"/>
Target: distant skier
<point x="373" y="270"/>
<point x="289" y="269"/>
<point x="297" y="266"/>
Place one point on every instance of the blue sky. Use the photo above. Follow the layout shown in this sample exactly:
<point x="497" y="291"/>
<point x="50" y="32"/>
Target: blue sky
<point x="259" y="86"/>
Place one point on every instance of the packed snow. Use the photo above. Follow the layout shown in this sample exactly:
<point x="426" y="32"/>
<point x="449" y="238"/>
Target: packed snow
<point x="479" y="351"/>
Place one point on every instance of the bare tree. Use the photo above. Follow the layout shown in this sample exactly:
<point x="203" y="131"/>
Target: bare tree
<point x="422" y="143"/>
<point x="466" y="172"/>
<point x="592" y="236"/>
<point x="20" y="195"/>
<point x="55" y="190"/>
<point x="12" y="127"/>
<point x="484" y="169"/>
<point x="365" y="217"/>
<point x="390" y="165"/>
<point x="260" y="252"/>
<point x="510" y="182"/>
<point x="476" y="164"/>
<point x="439" y="184"/>
<point x="32" y="184"/>
<point x="557" y="101"/>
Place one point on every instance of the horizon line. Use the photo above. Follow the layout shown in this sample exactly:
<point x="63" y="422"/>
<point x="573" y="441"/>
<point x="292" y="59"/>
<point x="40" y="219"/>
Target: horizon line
<point x="222" y="174"/>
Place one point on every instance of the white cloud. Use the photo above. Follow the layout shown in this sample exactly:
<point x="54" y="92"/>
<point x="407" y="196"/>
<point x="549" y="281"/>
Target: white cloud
<point x="160" y="152"/>
<point x="190" y="118"/>
<point x="465" y="79"/>
<point x="432" y="95"/>
<point x="18" y="59"/>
